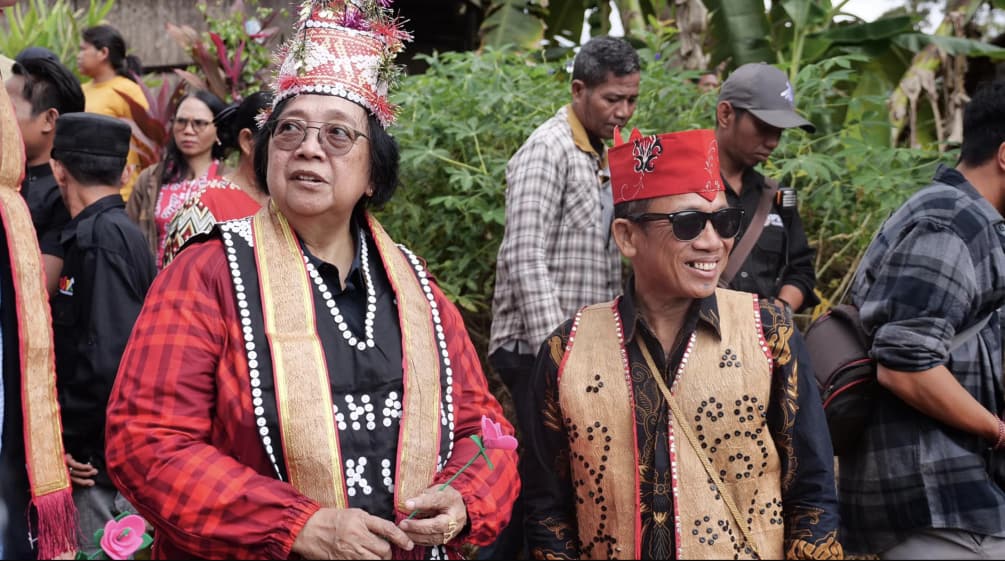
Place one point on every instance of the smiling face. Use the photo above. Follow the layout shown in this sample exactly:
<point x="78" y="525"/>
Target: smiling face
<point x="306" y="181"/>
<point x="606" y="105"/>
<point x="670" y="267"/>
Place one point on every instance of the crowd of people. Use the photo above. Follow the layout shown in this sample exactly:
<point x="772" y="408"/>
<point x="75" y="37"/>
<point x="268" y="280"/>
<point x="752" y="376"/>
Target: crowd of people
<point x="244" y="356"/>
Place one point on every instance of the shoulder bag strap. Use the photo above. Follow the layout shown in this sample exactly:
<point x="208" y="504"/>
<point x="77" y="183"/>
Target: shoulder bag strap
<point x="693" y="441"/>
<point x="969" y="332"/>
<point x="746" y="243"/>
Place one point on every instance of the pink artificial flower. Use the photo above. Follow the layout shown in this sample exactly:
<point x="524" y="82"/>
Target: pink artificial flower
<point x="493" y="437"/>
<point x="123" y="538"/>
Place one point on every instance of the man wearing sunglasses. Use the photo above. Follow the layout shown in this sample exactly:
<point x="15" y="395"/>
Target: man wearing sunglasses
<point x="557" y="253"/>
<point x="678" y="420"/>
<point x="756" y="105"/>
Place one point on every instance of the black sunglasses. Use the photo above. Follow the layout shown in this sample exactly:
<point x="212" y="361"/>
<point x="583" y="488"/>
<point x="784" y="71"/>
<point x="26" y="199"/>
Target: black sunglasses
<point x="688" y="224"/>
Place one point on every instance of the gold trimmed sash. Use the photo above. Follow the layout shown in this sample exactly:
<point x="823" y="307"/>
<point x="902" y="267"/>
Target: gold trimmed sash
<point x="43" y="440"/>
<point x="418" y="441"/>
<point x="303" y="392"/>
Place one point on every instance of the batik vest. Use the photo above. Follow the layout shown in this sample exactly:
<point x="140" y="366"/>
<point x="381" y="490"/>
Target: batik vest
<point x="723" y="386"/>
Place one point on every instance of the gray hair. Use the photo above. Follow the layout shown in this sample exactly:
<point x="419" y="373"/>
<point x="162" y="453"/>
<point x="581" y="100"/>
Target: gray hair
<point x="604" y="55"/>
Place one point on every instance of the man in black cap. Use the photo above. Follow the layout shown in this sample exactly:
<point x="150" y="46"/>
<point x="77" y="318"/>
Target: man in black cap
<point x="107" y="270"/>
<point x="772" y="257"/>
<point x="41" y="89"/>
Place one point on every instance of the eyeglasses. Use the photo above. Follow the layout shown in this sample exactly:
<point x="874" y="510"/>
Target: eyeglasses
<point x="182" y="123"/>
<point x="335" y="139"/>
<point x="689" y="224"/>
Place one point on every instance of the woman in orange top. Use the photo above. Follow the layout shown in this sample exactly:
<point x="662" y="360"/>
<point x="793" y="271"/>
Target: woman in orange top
<point x="102" y="57"/>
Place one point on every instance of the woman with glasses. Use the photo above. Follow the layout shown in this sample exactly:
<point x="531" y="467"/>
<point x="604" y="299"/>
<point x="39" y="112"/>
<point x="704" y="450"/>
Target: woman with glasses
<point x="235" y="195"/>
<point x="191" y="159"/>
<point x="298" y="385"/>
<point x="685" y="419"/>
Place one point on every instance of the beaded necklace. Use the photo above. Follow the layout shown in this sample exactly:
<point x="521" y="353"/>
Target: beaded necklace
<point x="371" y="299"/>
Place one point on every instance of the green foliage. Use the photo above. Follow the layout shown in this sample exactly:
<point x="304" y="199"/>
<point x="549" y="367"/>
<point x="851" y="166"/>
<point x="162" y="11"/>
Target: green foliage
<point x="233" y="57"/>
<point x="464" y="118"/>
<point x="460" y="122"/>
<point x="54" y="25"/>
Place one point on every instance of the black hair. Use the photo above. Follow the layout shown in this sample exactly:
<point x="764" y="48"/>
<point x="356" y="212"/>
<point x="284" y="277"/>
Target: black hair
<point x="604" y="55"/>
<point x="49" y="85"/>
<point x="383" y="159"/>
<point x="176" y="166"/>
<point x="983" y="124"/>
<point x="239" y="116"/>
<point x="631" y="208"/>
<point x="107" y="37"/>
<point x="89" y="169"/>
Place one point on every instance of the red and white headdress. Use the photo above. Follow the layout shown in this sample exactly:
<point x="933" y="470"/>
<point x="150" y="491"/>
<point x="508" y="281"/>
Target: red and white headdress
<point x="344" y="48"/>
<point x="674" y="163"/>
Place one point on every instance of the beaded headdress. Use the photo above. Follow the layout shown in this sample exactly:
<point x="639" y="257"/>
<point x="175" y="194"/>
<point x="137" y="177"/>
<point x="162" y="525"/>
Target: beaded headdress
<point x="345" y="48"/>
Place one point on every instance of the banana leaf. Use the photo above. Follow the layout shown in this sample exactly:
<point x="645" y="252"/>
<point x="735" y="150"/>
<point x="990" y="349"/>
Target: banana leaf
<point x="740" y="32"/>
<point x="511" y="22"/>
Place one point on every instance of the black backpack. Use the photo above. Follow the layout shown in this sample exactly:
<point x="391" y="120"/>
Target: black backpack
<point x="845" y="373"/>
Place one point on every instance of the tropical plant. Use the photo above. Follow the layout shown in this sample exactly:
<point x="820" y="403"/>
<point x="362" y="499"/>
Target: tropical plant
<point x="233" y="56"/>
<point x="469" y="112"/>
<point x="151" y="124"/>
<point x="51" y="24"/>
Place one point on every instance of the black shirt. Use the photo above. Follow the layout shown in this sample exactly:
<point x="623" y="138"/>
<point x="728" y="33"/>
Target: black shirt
<point x="367" y="385"/>
<point x="107" y="269"/>
<point x="782" y="255"/>
<point x="48" y="212"/>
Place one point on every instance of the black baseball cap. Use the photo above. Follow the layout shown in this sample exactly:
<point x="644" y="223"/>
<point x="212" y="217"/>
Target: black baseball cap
<point x="764" y="91"/>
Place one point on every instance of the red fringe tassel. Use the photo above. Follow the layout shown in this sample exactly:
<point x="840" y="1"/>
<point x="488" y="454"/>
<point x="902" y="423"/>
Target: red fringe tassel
<point x="57" y="523"/>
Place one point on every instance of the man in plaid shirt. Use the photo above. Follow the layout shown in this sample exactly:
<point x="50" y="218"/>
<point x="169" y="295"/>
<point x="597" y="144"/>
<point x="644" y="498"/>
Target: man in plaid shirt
<point x="926" y="480"/>
<point x="557" y="254"/>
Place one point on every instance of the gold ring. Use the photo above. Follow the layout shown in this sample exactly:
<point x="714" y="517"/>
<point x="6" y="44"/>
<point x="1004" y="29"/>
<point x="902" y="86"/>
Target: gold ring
<point x="451" y="530"/>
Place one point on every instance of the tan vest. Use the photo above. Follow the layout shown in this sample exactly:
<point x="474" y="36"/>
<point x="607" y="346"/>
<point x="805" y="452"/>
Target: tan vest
<point x="723" y="388"/>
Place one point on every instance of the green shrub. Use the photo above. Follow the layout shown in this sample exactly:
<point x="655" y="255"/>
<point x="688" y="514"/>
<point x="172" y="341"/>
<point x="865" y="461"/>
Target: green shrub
<point x="469" y="112"/>
<point x="54" y="25"/>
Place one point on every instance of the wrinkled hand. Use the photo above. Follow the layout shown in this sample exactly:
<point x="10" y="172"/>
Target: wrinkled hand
<point x="81" y="474"/>
<point x="348" y="533"/>
<point x="442" y="515"/>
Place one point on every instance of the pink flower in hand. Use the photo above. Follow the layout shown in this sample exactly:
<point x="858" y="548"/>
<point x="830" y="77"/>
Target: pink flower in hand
<point x="493" y="437"/>
<point x="123" y="538"/>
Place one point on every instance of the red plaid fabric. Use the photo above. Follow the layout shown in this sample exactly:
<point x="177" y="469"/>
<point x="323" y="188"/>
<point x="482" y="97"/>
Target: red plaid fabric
<point x="183" y="446"/>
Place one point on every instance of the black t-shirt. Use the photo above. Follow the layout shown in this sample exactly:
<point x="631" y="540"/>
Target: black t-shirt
<point x="48" y="212"/>
<point x="782" y="254"/>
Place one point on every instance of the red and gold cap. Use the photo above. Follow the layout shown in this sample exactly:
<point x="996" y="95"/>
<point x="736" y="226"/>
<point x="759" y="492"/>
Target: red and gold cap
<point x="673" y="163"/>
<point x="344" y="48"/>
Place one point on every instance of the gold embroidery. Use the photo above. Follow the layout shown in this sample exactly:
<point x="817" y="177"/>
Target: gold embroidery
<point x="778" y="332"/>
<point x="556" y="344"/>
<point x="826" y="547"/>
